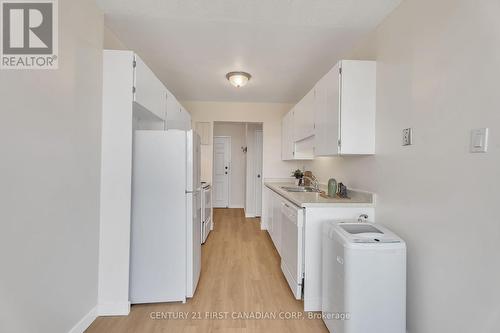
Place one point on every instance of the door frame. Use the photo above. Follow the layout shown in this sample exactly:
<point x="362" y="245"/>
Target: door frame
<point x="230" y="169"/>
<point x="260" y="149"/>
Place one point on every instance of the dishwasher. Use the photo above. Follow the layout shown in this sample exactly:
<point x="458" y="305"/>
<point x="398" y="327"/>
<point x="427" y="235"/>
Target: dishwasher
<point x="292" y="246"/>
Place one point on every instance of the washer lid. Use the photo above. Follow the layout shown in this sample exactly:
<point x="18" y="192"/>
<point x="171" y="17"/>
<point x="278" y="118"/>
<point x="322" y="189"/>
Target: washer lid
<point x="360" y="228"/>
<point x="367" y="233"/>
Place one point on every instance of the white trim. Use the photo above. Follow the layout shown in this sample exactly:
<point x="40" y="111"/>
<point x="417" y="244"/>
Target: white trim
<point x="113" y="309"/>
<point x="236" y="206"/>
<point x="85" y="322"/>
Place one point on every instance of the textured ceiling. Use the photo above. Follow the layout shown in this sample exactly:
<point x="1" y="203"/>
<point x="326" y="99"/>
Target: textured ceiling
<point x="287" y="45"/>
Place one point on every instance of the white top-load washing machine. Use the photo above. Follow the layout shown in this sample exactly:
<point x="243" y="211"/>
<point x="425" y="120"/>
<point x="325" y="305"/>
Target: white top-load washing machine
<point x="364" y="278"/>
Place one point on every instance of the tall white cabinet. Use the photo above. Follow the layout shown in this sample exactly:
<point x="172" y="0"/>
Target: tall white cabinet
<point x="133" y="98"/>
<point x="336" y="117"/>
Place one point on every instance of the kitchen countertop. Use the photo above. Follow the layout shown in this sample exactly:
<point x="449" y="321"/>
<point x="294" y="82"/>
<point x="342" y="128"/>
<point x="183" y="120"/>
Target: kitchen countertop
<point x="313" y="199"/>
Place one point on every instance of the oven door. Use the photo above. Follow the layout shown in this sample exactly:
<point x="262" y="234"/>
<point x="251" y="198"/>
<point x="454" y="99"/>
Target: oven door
<point x="208" y="208"/>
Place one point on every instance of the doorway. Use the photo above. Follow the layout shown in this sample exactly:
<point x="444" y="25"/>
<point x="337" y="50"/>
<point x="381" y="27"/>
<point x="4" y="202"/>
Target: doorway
<point x="222" y="171"/>
<point x="237" y="167"/>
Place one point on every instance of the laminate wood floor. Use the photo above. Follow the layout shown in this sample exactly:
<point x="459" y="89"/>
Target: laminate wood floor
<point x="240" y="277"/>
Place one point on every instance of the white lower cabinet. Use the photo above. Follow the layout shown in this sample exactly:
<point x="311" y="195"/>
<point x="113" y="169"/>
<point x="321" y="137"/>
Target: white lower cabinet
<point x="284" y="222"/>
<point x="297" y="235"/>
<point x="276" y="232"/>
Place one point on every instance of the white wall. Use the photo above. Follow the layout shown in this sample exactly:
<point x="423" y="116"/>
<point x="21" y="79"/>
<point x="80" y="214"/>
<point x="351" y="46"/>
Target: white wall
<point x="438" y="70"/>
<point x="111" y="41"/>
<point x="49" y="195"/>
<point x="236" y="131"/>
<point x="269" y="114"/>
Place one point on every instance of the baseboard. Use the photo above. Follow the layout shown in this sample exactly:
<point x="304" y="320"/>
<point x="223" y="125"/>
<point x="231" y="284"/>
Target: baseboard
<point x="236" y="206"/>
<point x="312" y="304"/>
<point x="85" y="322"/>
<point x="113" y="309"/>
<point x="249" y="216"/>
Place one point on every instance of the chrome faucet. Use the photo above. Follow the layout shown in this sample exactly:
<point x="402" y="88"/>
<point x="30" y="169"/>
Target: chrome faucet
<point x="362" y="218"/>
<point x="314" y="180"/>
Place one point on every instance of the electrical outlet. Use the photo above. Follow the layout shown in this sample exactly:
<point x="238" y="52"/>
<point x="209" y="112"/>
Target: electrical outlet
<point x="407" y="137"/>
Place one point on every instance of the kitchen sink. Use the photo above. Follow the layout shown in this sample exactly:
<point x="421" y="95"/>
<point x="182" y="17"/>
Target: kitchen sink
<point x="299" y="189"/>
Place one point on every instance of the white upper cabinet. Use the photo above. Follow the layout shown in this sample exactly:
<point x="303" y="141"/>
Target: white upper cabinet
<point x="177" y="116"/>
<point x="290" y="148"/>
<point x="149" y="91"/>
<point x="325" y="114"/>
<point x="337" y="117"/>
<point x="287" y="144"/>
<point x="345" y="110"/>
<point x="303" y="119"/>
<point x="187" y="119"/>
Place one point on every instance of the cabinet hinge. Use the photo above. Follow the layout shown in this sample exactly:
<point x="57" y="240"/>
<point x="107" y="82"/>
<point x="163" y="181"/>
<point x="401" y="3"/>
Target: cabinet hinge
<point x="134" y="63"/>
<point x="339" y="142"/>
<point x="133" y="90"/>
<point x="340" y="70"/>
<point x="314" y="126"/>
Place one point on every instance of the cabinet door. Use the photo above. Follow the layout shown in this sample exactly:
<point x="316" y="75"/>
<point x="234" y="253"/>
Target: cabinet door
<point x="276" y="235"/>
<point x="287" y="144"/>
<point x="284" y="138"/>
<point x="175" y="117"/>
<point x="357" y="110"/>
<point x="186" y="119"/>
<point x="327" y="113"/>
<point x="304" y="117"/>
<point x="149" y="90"/>
<point x="290" y="148"/>
<point x="267" y="212"/>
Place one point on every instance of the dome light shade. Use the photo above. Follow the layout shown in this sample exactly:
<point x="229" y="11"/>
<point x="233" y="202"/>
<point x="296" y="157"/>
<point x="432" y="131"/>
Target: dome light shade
<point x="238" y="79"/>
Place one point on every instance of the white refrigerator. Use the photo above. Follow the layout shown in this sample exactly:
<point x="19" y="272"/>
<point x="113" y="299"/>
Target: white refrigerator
<point x="165" y="258"/>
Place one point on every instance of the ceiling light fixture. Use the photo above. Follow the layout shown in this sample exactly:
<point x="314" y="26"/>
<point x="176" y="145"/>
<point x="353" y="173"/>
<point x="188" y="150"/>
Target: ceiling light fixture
<point x="238" y="79"/>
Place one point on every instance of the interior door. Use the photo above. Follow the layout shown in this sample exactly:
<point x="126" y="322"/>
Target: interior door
<point x="258" y="172"/>
<point x="222" y="171"/>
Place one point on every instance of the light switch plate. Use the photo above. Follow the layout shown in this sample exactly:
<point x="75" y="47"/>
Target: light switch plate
<point x="407" y="137"/>
<point x="479" y="140"/>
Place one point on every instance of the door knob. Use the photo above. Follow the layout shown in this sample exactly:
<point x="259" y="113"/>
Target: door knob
<point x="258" y="176"/>
<point x="225" y="172"/>
<point x="225" y="168"/>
